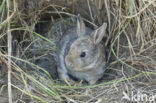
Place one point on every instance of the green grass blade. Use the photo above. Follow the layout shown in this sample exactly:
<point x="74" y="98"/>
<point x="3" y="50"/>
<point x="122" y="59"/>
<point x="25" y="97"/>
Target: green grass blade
<point x="2" y="6"/>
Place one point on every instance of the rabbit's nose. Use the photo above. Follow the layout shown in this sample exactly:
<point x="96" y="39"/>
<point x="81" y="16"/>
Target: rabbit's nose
<point x="70" y="64"/>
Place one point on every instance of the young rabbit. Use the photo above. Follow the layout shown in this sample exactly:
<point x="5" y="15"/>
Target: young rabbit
<point x="82" y="54"/>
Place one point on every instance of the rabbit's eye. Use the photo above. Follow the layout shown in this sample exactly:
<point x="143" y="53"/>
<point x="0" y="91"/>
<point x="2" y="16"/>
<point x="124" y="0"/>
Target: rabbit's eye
<point x="83" y="54"/>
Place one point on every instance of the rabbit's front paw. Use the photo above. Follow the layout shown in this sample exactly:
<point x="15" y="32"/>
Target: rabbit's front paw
<point x="92" y="82"/>
<point x="69" y="82"/>
<point x="65" y="78"/>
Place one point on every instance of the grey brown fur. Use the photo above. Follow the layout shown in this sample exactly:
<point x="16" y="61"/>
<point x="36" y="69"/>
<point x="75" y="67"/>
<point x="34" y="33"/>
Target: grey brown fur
<point x="82" y="54"/>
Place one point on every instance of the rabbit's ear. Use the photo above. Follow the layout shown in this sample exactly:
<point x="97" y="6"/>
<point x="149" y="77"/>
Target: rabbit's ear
<point x="99" y="33"/>
<point x="81" y="29"/>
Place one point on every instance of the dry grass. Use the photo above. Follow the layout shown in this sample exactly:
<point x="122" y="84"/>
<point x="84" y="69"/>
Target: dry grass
<point x="131" y="35"/>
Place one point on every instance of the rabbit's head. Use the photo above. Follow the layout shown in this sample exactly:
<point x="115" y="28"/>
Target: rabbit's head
<point x="86" y="52"/>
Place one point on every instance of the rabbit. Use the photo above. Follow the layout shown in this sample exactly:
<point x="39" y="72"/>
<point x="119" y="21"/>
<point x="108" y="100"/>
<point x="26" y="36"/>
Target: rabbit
<point x="82" y="53"/>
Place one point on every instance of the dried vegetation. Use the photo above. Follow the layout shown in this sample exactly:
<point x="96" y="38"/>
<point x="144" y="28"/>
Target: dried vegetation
<point x="131" y="39"/>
